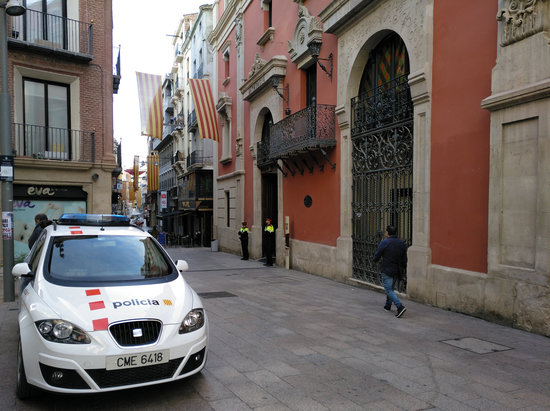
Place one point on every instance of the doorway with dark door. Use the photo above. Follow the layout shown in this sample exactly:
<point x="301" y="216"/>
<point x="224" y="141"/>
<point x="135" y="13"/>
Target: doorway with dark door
<point x="269" y="206"/>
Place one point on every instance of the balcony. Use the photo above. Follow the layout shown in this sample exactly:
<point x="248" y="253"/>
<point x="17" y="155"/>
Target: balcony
<point x="197" y="160"/>
<point x="46" y="33"/>
<point x="192" y="122"/>
<point x="297" y="138"/>
<point x="50" y="143"/>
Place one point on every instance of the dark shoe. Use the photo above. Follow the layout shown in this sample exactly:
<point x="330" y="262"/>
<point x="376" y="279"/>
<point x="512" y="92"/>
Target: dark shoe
<point x="387" y="307"/>
<point x="268" y="265"/>
<point x="400" y="311"/>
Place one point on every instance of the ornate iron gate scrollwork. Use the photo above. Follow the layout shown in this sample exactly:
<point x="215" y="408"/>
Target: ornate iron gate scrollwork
<point x="382" y="138"/>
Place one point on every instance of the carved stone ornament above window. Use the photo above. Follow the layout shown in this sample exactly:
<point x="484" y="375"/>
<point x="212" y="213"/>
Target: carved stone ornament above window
<point x="224" y="106"/>
<point x="261" y="74"/>
<point x="520" y="19"/>
<point x="267" y="36"/>
<point x="309" y="29"/>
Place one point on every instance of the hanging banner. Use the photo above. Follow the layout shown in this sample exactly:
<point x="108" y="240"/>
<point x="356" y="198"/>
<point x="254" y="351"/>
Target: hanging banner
<point x="150" y="104"/>
<point x="207" y="117"/>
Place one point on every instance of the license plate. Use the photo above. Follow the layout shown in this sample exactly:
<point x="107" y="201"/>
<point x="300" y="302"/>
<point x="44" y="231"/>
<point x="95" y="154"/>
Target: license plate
<point x="118" y="362"/>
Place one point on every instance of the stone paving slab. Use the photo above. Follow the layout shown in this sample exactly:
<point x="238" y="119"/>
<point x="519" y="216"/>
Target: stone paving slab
<point x="287" y="340"/>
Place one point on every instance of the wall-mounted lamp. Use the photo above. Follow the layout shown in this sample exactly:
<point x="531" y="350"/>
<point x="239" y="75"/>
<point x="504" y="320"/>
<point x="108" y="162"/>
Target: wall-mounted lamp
<point x="314" y="49"/>
<point x="13" y="8"/>
<point x="281" y="93"/>
<point x="95" y="176"/>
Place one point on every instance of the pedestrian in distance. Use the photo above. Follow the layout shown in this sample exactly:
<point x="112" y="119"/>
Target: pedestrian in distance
<point x="393" y="252"/>
<point x="243" y="235"/>
<point x="269" y="237"/>
<point x="41" y="221"/>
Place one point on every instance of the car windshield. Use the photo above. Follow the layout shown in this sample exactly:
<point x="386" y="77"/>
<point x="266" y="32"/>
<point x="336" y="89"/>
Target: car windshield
<point x="110" y="258"/>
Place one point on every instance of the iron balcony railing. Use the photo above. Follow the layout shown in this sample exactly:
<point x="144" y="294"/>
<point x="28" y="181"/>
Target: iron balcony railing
<point x="192" y="121"/>
<point x="197" y="159"/>
<point x="310" y="129"/>
<point x="384" y="105"/>
<point x="53" y="143"/>
<point x="262" y="157"/>
<point x="48" y="31"/>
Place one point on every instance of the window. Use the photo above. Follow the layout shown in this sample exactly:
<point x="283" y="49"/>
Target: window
<point x="80" y="259"/>
<point x="46" y="117"/>
<point x="46" y="21"/>
<point x="226" y="138"/>
<point x="387" y="62"/>
<point x="267" y="7"/>
<point x="226" y="64"/>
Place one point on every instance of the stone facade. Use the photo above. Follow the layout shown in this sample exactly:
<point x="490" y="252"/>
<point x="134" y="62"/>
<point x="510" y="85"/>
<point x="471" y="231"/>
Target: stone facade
<point x="517" y="286"/>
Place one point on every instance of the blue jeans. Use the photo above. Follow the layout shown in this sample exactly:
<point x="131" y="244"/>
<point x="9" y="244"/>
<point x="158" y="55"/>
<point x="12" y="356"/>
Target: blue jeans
<point x="391" y="297"/>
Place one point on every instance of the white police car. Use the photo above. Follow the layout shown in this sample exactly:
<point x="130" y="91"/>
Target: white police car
<point x="102" y="308"/>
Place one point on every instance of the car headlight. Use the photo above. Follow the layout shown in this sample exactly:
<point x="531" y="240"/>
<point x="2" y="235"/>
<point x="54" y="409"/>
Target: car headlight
<point x="192" y="321"/>
<point x="62" y="332"/>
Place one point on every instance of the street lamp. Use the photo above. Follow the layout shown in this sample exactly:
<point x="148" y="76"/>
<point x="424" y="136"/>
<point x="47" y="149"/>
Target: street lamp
<point x="13" y="8"/>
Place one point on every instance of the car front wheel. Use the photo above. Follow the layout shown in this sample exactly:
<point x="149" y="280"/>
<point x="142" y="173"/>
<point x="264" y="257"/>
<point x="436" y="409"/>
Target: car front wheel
<point x="23" y="390"/>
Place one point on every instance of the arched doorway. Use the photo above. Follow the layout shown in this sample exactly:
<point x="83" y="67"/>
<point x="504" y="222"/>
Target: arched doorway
<point x="382" y="155"/>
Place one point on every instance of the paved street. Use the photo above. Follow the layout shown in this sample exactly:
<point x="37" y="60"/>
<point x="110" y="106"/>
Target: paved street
<point x="285" y="340"/>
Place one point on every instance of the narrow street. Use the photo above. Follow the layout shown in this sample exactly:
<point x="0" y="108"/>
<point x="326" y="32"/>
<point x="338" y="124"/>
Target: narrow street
<point x="286" y="340"/>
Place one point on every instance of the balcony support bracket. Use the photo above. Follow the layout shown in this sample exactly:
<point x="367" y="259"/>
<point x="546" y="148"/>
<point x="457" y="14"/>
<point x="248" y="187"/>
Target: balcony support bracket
<point x="301" y="170"/>
<point x="288" y="167"/>
<point x="282" y="171"/>
<point x="307" y="166"/>
<point x="314" y="159"/>
<point x="325" y="155"/>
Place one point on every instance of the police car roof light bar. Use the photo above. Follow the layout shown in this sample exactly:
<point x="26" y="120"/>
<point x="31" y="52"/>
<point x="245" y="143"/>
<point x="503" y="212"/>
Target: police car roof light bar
<point x="107" y="220"/>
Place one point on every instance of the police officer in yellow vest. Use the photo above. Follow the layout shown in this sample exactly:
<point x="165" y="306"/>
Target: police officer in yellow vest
<point x="243" y="235"/>
<point x="269" y="237"/>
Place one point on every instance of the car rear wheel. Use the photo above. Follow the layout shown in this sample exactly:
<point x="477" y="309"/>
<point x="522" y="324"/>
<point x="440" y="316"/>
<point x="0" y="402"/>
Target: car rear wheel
<point x="23" y="390"/>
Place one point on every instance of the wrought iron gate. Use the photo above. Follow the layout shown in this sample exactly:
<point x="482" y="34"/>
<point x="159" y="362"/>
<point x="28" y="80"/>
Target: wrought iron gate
<point x="382" y="137"/>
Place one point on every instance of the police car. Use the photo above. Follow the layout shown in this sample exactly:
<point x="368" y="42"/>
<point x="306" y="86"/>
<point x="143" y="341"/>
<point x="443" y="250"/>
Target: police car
<point x="103" y="307"/>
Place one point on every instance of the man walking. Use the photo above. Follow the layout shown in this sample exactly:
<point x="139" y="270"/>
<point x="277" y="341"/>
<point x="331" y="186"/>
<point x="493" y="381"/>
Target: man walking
<point x="393" y="252"/>
<point x="243" y="235"/>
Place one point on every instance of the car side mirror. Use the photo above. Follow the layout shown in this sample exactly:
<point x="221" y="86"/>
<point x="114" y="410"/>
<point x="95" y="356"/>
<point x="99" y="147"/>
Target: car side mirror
<point x="22" y="270"/>
<point x="182" y="266"/>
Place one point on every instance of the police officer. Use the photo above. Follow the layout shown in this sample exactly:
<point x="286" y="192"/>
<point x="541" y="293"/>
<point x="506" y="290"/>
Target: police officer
<point x="243" y="235"/>
<point x="269" y="234"/>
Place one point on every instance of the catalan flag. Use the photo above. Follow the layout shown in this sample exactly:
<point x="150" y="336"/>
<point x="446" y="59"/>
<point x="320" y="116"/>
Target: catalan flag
<point x="153" y="171"/>
<point x="204" y="106"/>
<point x="150" y="104"/>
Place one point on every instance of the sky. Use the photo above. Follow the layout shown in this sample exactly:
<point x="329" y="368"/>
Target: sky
<point x="140" y="28"/>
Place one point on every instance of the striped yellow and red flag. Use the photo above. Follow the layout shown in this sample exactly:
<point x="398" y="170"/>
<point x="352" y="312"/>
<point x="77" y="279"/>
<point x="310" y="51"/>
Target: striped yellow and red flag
<point x="150" y="104"/>
<point x="153" y="171"/>
<point x="205" y="108"/>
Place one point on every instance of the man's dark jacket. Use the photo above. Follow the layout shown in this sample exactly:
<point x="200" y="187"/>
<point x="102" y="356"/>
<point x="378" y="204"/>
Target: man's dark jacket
<point x="393" y="252"/>
<point x="37" y="230"/>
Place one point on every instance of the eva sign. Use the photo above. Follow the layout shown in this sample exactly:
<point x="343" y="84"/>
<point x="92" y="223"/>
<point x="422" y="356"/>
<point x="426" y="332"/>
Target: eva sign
<point x="163" y="200"/>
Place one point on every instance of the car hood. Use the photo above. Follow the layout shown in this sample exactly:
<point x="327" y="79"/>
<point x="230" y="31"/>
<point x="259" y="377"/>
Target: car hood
<point x="94" y="308"/>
